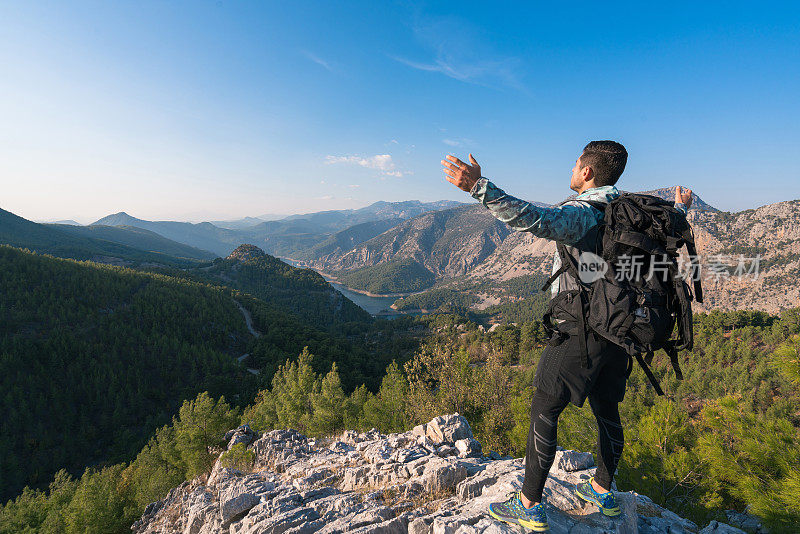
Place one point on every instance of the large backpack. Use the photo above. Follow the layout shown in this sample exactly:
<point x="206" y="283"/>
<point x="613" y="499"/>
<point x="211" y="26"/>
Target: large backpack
<point x="638" y="313"/>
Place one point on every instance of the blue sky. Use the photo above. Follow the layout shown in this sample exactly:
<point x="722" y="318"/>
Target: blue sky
<point x="206" y="110"/>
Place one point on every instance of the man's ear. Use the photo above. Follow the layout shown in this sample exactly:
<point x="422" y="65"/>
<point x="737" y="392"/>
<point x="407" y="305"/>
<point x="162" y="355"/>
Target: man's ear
<point x="587" y="173"/>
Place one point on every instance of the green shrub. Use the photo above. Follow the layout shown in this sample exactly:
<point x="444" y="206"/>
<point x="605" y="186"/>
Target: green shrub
<point x="239" y="458"/>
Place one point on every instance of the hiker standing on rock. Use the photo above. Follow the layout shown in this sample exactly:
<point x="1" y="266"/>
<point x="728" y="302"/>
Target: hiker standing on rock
<point x="577" y="366"/>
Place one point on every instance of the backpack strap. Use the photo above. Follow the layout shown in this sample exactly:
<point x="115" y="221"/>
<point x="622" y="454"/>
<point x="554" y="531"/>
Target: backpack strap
<point x="672" y="352"/>
<point x="563" y="253"/>
<point x="698" y="289"/>
<point x="687" y="236"/>
<point x="583" y="331"/>
<point x="683" y="308"/>
<point x="644" y="363"/>
<point x="648" y="372"/>
<point x="568" y="264"/>
<point x="562" y="269"/>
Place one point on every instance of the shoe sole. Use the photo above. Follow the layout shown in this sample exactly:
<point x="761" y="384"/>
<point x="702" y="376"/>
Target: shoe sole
<point x="610" y="512"/>
<point x="527" y="524"/>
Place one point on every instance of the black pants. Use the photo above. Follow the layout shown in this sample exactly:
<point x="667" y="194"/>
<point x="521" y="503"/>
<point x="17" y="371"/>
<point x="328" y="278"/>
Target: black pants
<point x="541" y="449"/>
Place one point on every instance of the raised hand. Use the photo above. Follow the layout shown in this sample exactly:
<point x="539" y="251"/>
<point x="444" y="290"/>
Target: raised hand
<point x="462" y="174"/>
<point x="683" y="195"/>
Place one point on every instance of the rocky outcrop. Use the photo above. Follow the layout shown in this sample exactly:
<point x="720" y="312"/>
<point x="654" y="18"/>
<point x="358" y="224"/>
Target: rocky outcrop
<point x="432" y="479"/>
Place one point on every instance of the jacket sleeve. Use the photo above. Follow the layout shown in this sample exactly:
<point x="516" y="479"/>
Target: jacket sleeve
<point x="566" y="223"/>
<point x="680" y="206"/>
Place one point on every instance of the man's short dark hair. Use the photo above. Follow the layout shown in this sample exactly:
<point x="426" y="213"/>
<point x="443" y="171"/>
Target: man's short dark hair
<point x="607" y="160"/>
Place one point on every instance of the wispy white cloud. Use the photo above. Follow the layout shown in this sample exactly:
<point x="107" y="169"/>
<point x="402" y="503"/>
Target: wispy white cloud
<point x="353" y="186"/>
<point x="461" y="141"/>
<point x="318" y="60"/>
<point x="325" y="197"/>
<point x="458" y="50"/>
<point x="379" y="162"/>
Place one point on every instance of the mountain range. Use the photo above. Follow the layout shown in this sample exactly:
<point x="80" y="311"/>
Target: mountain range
<point x="438" y="245"/>
<point x="465" y="247"/>
<point x="122" y="245"/>
<point x="286" y="236"/>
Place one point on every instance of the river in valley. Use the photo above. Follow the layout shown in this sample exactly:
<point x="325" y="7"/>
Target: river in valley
<point x="373" y="305"/>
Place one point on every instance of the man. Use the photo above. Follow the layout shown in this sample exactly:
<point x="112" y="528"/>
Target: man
<point x="560" y="378"/>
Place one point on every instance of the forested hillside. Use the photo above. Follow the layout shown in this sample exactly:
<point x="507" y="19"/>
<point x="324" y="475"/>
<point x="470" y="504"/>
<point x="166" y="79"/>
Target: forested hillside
<point x="300" y="291"/>
<point x="516" y="300"/>
<point x="396" y="276"/>
<point x="95" y="357"/>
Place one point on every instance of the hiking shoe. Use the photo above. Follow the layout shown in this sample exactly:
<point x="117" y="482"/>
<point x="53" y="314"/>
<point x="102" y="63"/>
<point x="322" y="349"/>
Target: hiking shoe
<point x="513" y="512"/>
<point x="605" y="501"/>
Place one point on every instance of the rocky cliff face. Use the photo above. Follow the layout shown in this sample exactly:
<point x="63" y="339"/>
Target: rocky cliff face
<point x="448" y="243"/>
<point x="433" y="479"/>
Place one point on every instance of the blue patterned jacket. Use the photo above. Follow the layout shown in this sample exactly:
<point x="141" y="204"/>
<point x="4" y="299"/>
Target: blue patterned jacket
<point x="567" y="223"/>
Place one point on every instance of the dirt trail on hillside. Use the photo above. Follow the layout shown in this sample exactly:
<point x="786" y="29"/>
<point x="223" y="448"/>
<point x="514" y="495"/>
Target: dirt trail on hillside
<point x="248" y="320"/>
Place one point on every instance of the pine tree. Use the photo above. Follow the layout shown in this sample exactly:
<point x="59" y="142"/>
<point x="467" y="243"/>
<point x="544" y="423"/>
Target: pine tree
<point x="386" y="411"/>
<point x="201" y="425"/>
<point x="328" y="404"/>
<point x="99" y="506"/>
<point x="262" y="415"/>
<point x="753" y="460"/>
<point x="293" y="387"/>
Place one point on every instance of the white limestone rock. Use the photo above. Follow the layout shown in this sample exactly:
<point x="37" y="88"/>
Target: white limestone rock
<point x="468" y="447"/>
<point x="243" y="434"/>
<point x="430" y="480"/>
<point x="448" y="429"/>
<point x="573" y="460"/>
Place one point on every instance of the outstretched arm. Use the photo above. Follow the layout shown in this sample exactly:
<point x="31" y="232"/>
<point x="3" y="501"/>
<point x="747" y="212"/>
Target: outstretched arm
<point x="683" y="198"/>
<point x="567" y="223"/>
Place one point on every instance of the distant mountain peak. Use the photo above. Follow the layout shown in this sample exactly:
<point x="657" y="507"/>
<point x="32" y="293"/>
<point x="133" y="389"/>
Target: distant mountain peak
<point x="117" y="219"/>
<point x="246" y="252"/>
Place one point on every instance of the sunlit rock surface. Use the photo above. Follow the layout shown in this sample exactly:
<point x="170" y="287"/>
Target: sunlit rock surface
<point x="433" y="479"/>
